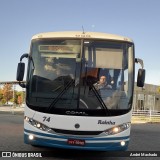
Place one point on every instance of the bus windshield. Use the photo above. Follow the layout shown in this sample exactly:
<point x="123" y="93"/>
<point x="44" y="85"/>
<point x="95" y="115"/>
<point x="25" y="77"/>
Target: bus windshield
<point x="87" y="77"/>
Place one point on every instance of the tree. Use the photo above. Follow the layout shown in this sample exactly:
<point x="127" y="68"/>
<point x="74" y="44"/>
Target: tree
<point x="1" y="94"/>
<point x="7" y="92"/>
<point x="19" y="98"/>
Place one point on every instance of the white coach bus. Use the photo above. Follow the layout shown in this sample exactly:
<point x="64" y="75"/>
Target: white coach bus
<point x="79" y="90"/>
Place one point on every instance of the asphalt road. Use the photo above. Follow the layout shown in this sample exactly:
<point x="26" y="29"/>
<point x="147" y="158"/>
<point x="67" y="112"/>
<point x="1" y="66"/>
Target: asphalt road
<point x="144" y="137"/>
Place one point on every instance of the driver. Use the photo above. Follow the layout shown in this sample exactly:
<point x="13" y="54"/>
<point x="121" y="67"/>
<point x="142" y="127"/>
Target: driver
<point x="102" y="83"/>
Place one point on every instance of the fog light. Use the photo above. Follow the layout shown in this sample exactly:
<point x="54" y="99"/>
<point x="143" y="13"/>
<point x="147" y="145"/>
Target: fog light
<point x="31" y="137"/>
<point x="123" y="143"/>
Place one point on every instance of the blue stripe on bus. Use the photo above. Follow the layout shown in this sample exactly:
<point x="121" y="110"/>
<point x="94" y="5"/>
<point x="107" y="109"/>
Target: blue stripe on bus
<point x="75" y="137"/>
<point x="63" y="144"/>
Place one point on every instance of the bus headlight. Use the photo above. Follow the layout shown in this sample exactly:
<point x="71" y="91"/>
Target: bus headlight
<point x="37" y="124"/>
<point x="118" y="129"/>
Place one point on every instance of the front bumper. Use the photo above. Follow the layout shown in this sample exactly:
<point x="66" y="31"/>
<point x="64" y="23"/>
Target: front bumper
<point x="91" y="143"/>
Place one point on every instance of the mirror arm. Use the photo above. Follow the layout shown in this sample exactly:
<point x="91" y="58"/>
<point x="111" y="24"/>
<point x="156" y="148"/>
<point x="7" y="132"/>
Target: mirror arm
<point x="138" y="60"/>
<point x="23" y="85"/>
<point x="26" y="55"/>
<point x="141" y="73"/>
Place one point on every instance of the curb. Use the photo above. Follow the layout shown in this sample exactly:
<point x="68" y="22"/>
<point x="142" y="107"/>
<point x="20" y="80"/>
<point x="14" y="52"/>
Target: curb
<point x="13" y="113"/>
<point x="138" y="122"/>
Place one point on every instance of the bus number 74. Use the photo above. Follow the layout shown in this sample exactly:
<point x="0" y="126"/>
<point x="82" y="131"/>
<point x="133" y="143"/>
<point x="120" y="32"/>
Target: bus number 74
<point x="46" y="119"/>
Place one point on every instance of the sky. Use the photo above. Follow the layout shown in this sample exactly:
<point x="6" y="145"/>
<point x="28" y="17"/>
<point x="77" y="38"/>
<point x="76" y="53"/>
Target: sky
<point x="136" y="19"/>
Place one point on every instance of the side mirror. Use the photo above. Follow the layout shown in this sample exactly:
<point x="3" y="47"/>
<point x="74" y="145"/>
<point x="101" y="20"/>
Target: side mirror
<point x="20" y="71"/>
<point x="141" y="77"/>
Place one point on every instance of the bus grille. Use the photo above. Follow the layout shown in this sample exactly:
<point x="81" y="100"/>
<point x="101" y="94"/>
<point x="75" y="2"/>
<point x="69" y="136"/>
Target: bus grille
<point x="77" y="132"/>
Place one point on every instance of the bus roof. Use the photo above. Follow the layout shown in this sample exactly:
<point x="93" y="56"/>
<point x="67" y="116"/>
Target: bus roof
<point x="78" y="34"/>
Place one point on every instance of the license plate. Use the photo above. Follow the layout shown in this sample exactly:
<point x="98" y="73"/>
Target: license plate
<point x="76" y="142"/>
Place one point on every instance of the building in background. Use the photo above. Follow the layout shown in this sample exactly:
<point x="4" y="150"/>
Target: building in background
<point x="147" y="98"/>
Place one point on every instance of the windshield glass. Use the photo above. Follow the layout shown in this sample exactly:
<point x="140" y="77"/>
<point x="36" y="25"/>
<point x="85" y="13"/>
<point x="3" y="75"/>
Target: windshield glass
<point x="105" y="71"/>
<point x="91" y="76"/>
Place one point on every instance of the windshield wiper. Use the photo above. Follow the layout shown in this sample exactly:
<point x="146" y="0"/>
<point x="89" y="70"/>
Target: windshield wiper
<point x="52" y="105"/>
<point x="99" y="98"/>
